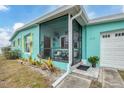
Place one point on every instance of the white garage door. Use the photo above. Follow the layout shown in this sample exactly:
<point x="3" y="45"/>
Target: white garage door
<point x="112" y="49"/>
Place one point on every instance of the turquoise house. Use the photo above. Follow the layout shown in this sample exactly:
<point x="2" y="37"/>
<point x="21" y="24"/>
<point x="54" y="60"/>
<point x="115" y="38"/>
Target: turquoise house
<point x="69" y="37"/>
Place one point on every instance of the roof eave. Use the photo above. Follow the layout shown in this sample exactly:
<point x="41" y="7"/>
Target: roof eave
<point x="105" y="19"/>
<point x="49" y="16"/>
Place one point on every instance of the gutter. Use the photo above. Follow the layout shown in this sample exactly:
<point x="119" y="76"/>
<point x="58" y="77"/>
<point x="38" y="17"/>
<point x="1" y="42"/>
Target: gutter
<point x="70" y="62"/>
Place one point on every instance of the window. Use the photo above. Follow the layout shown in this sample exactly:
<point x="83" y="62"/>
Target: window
<point x="28" y="43"/>
<point x="106" y="36"/>
<point x="18" y="41"/>
<point x="103" y="36"/>
<point x="13" y="43"/>
<point x="122" y="34"/>
<point x="116" y="35"/>
<point x="119" y="34"/>
<point x="64" y="42"/>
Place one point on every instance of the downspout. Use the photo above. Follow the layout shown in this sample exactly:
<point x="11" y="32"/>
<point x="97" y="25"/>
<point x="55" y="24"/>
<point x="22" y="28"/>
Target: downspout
<point x="70" y="20"/>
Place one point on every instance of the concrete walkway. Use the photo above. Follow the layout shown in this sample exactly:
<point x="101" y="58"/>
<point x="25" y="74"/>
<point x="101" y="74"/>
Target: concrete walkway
<point x="73" y="81"/>
<point x="109" y="77"/>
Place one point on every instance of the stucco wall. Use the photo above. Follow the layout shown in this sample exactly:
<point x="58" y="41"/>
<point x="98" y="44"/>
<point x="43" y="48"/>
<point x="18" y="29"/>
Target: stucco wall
<point x="91" y="37"/>
<point x="35" y="32"/>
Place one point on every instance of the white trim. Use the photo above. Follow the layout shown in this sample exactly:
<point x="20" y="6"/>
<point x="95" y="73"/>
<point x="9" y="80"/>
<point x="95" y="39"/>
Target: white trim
<point x="115" y="17"/>
<point x="70" y="41"/>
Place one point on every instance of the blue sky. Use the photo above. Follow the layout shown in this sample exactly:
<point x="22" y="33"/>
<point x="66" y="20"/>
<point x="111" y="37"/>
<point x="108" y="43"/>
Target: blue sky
<point x="95" y="11"/>
<point x="13" y="17"/>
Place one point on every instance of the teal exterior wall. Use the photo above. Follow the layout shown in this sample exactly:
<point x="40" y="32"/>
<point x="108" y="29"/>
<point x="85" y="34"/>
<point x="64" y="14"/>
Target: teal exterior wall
<point x="60" y="65"/>
<point x="91" y="37"/>
<point x="35" y="43"/>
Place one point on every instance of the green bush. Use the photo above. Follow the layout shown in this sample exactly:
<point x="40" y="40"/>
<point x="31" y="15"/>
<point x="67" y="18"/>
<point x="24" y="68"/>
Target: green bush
<point x="11" y="54"/>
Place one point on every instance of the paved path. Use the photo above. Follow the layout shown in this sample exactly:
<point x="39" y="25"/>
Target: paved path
<point x="73" y="81"/>
<point x="112" y="79"/>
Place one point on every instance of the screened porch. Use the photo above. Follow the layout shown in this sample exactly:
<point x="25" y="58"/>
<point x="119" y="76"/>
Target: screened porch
<point x="54" y="40"/>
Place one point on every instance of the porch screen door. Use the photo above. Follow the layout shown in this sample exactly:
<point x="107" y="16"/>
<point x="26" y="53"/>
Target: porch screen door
<point x="47" y="46"/>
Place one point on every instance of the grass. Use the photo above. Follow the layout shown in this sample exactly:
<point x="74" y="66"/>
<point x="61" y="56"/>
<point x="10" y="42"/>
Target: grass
<point x="15" y="75"/>
<point x="95" y="84"/>
<point x="121" y="73"/>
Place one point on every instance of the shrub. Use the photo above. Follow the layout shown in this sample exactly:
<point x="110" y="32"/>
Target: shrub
<point x="38" y="63"/>
<point x="5" y="51"/>
<point x="14" y="54"/>
<point x="93" y="60"/>
<point x="11" y="54"/>
<point x="49" y="65"/>
<point x="33" y="62"/>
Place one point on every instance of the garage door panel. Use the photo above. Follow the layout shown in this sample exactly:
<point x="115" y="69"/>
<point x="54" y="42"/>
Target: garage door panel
<point x="112" y="59"/>
<point x="112" y="44"/>
<point x="104" y="54"/>
<point x="112" y="49"/>
<point x="113" y="53"/>
<point x="107" y="61"/>
<point x="113" y="65"/>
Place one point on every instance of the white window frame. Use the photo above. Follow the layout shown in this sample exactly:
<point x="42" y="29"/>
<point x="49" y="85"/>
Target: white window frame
<point x="28" y="35"/>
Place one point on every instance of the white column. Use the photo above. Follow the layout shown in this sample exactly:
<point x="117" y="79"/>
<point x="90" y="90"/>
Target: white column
<point x="70" y="42"/>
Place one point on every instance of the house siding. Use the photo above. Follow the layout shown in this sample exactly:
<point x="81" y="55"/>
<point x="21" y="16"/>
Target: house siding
<point x="91" y="37"/>
<point x="38" y="33"/>
<point x="35" y="45"/>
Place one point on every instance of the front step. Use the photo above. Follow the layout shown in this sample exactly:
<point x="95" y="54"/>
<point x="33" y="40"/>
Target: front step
<point x="91" y="73"/>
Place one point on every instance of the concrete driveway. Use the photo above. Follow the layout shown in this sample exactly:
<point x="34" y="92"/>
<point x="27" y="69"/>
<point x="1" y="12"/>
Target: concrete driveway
<point x="109" y="77"/>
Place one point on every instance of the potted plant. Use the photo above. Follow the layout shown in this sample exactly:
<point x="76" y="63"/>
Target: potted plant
<point x="93" y="60"/>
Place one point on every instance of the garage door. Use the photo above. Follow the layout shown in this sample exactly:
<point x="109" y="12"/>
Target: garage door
<point x="112" y="49"/>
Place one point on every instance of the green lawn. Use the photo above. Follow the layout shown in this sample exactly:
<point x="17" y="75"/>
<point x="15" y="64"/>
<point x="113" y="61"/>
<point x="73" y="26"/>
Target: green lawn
<point x="15" y="75"/>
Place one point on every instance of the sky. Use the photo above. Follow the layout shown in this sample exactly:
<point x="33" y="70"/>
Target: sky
<point x="96" y="11"/>
<point x="13" y="17"/>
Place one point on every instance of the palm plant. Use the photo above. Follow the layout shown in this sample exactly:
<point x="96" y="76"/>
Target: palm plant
<point x="93" y="60"/>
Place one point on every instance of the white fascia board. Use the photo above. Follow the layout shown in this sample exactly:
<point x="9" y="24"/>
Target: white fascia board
<point x="110" y="18"/>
